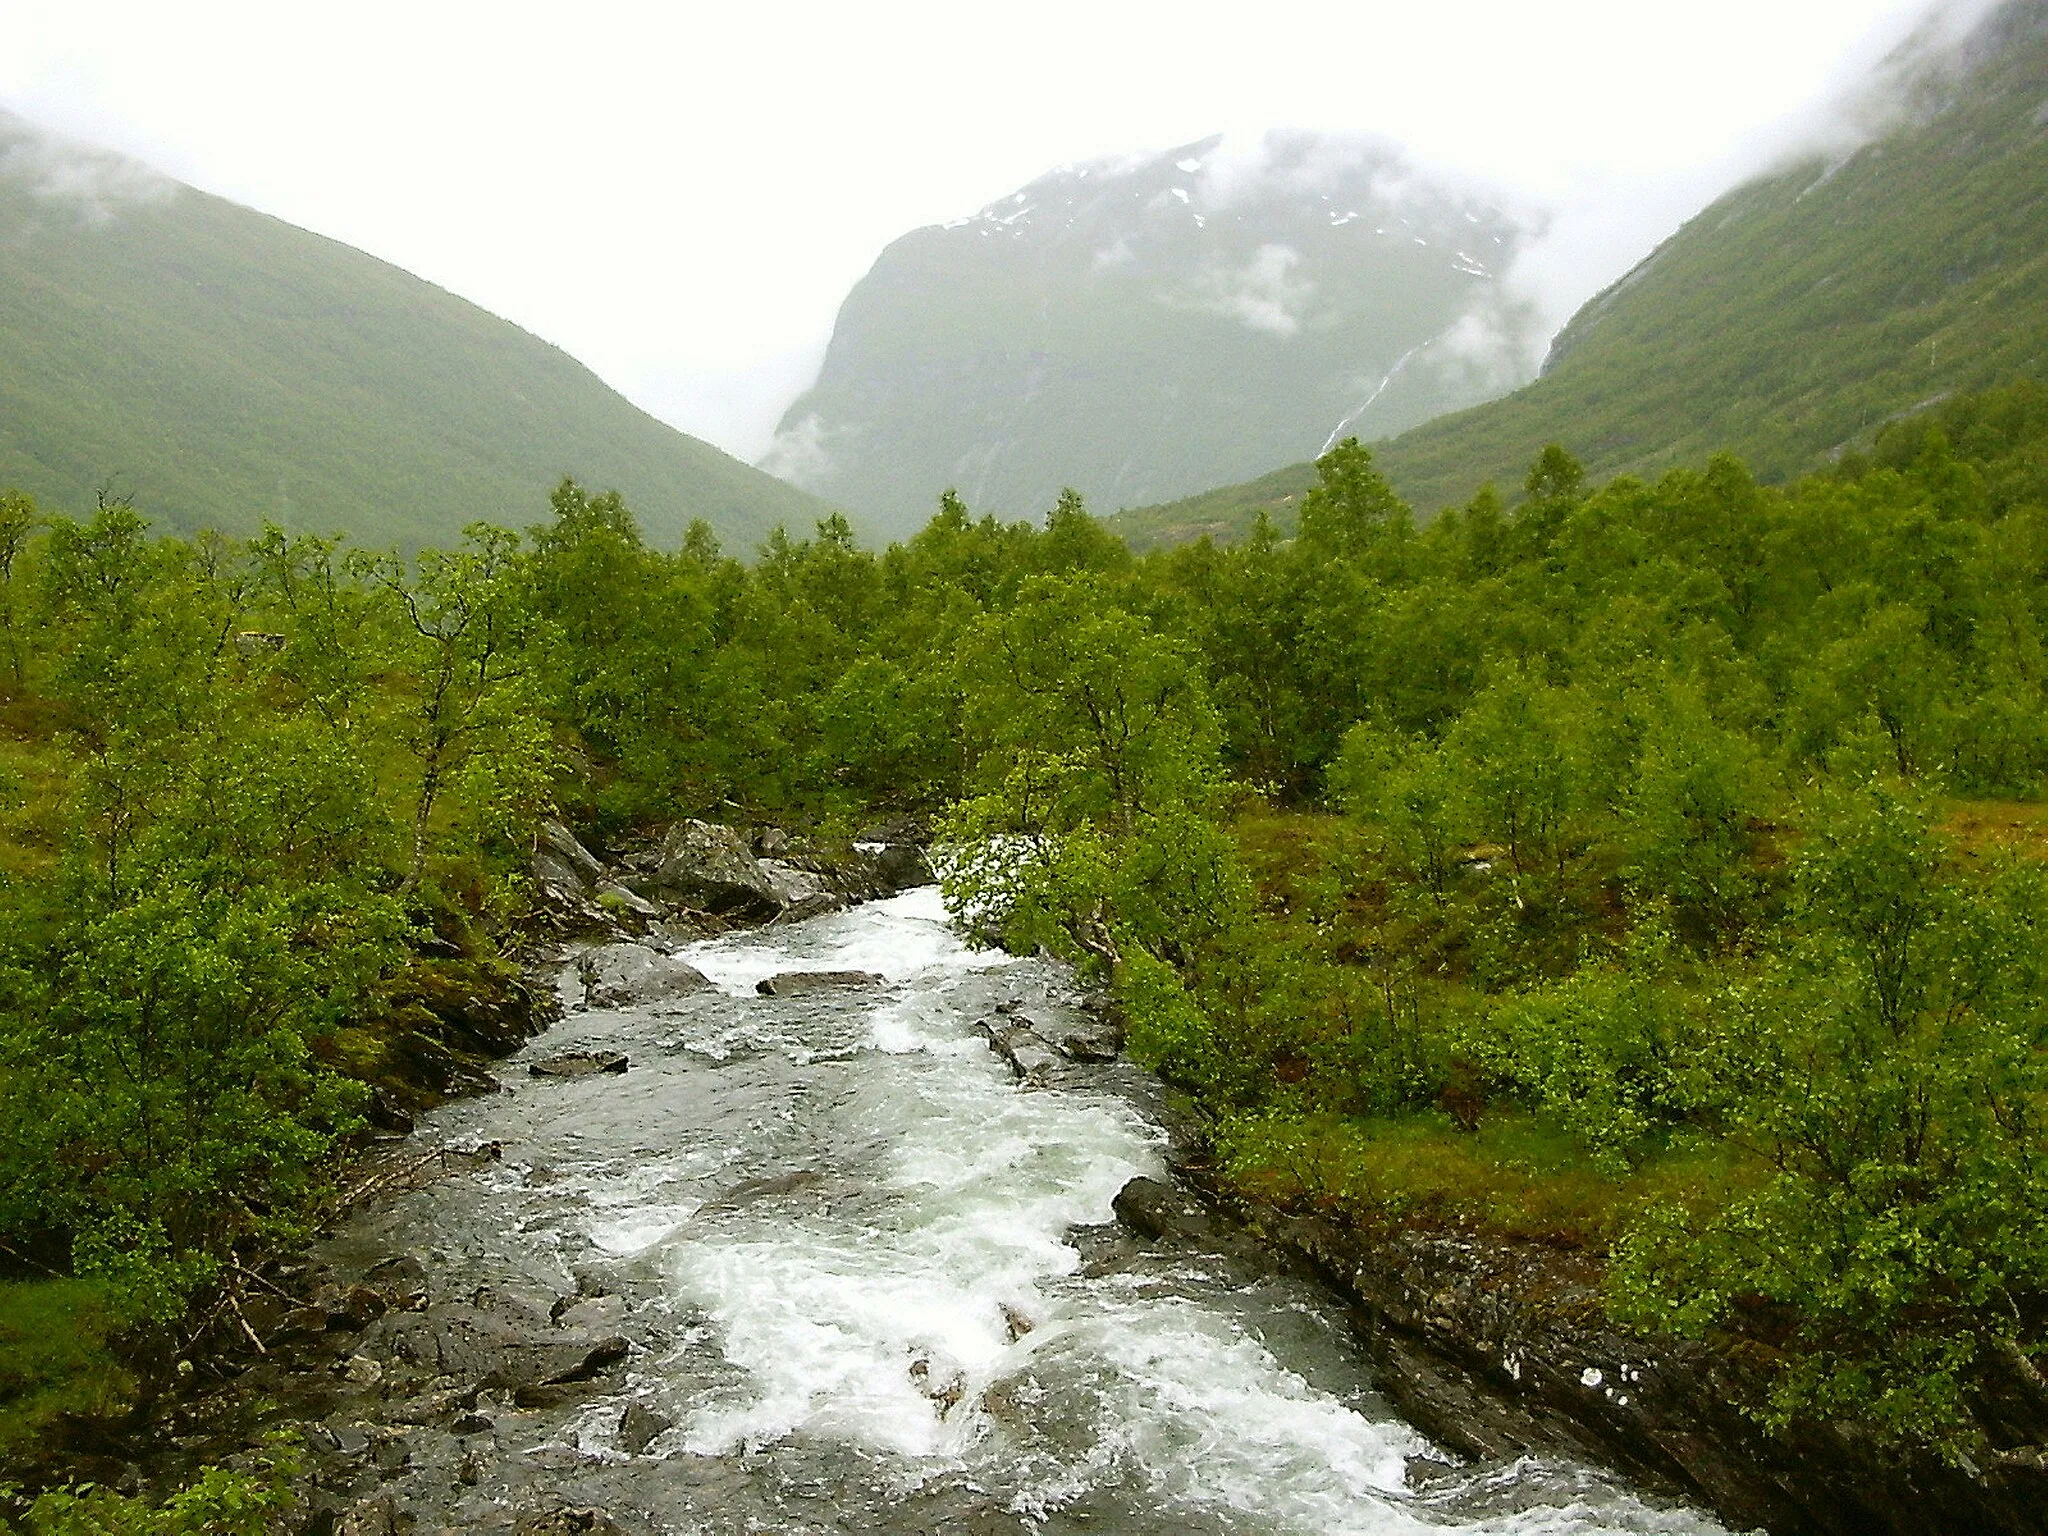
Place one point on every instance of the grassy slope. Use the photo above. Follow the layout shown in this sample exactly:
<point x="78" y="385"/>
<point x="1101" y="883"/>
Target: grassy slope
<point x="223" y="367"/>
<point x="1783" y="324"/>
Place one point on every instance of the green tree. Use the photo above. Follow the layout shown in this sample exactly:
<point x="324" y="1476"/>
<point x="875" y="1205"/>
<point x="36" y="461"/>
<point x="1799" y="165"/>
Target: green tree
<point x="467" y="638"/>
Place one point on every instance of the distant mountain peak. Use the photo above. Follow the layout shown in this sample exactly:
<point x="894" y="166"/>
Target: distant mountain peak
<point x="1137" y="326"/>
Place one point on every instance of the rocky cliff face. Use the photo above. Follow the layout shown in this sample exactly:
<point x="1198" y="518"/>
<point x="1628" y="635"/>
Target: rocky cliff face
<point x="1499" y="1349"/>
<point x="1146" y="328"/>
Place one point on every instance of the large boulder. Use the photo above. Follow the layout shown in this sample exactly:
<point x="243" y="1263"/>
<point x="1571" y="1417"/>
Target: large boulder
<point x="1158" y="1210"/>
<point x="562" y="865"/>
<point x="1029" y="1056"/>
<point x="710" y="866"/>
<point x="799" y="892"/>
<point x="632" y="975"/>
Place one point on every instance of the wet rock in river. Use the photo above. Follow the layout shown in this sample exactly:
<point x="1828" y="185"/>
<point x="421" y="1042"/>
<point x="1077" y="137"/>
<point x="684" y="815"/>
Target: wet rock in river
<point x="1029" y="1055"/>
<point x="632" y="975"/>
<point x="596" y="1360"/>
<point x="1159" y="1210"/>
<point x="569" y="1522"/>
<point x="640" y="1426"/>
<point x="792" y="983"/>
<point x="711" y="866"/>
<point x="580" y="1064"/>
<point x="798" y="892"/>
<point x="1089" y="1037"/>
<point x="590" y="1314"/>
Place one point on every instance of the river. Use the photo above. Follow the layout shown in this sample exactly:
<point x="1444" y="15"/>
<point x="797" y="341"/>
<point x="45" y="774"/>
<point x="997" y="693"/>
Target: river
<point x="871" y="1284"/>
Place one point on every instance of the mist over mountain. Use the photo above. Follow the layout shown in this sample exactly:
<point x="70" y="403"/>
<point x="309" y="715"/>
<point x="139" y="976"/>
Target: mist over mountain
<point x="222" y="367"/>
<point x="1145" y="327"/>
<point x="1904" y="260"/>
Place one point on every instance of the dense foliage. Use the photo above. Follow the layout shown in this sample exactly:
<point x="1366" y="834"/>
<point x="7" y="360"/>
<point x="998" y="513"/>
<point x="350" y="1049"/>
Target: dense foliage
<point x="1659" y="918"/>
<point x="1613" y="870"/>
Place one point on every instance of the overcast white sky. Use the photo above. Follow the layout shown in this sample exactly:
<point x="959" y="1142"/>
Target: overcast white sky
<point x="680" y="194"/>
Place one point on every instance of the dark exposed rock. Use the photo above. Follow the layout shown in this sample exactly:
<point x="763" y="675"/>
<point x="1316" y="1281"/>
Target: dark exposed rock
<point x="633" y="975"/>
<point x="1159" y="1210"/>
<point x="1029" y="1056"/>
<point x="561" y="842"/>
<point x="793" y="983"/>
<point x="568" y="1522"/>
<point x="711" y="866"/>
<point x="504" y="1347"/>
<point x="624" y="901"/>
<point x="899" y="866"/>
<point x="908" y="830"/>
<point x="356" y="1308"/>
<point x="373" y="1517"/>
<point x="1088" y="1036"/>
<point x="800" y="893"/>
<point x="640" y="1426"/>
<point x="590" y="1314"/>
<point x="600" y="1357"/>
<point x="579" y="1064"/>
<point x="401" y="1280"/>
<point x="1498" y="1349"/>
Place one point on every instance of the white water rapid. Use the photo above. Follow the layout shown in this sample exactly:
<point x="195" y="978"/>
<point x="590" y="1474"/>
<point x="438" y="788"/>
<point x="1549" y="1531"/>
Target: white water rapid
<point x="874" y="1285"/>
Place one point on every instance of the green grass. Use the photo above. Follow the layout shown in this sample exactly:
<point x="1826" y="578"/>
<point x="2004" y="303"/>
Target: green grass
<point x="1514" y="1175"/>
<point x="1785" y="324"/>
<point x="54" y="1359"/>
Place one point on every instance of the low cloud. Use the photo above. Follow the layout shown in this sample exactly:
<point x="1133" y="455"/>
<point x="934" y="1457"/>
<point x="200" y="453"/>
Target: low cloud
<point x="93" y="185"/>
<point x="799" y="454"/>
<point x="1262" y="295"/>
<point x="1117" y="254"/>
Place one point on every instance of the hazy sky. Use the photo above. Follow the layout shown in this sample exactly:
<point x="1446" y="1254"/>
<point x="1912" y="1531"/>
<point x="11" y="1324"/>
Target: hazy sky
<point x="681" y="194"/>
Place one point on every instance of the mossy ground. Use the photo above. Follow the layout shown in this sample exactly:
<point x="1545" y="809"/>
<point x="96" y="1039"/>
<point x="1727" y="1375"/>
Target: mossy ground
<point x="54" y="1359"/>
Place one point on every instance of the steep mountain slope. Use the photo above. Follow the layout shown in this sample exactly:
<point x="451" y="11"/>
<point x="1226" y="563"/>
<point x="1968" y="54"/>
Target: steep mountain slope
<point x="1144" y="328"/>
<point x="222" y="367"/>
<point x="1787" y="321"/>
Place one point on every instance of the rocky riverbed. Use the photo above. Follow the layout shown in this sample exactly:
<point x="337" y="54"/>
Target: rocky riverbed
<point x="828" y="1239"/>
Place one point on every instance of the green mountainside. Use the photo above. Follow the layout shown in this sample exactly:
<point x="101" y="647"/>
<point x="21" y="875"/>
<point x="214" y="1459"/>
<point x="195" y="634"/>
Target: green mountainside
<point x="222" y="367"/>
<point x="1140" y="329"/>
<point x="1786" y="322"/>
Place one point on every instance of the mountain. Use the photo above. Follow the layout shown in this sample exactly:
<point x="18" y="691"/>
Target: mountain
<point x="222" y="367"/>
<point x="1790" y="319"/>
<point x="1142" y="328"/>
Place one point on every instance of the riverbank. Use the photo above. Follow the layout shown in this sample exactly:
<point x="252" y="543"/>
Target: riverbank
<point x="413" y="1388"/>
<point x="435" y="1032"/>
<point x="1498" y="1348"/>
<point x="819" y="1257"/>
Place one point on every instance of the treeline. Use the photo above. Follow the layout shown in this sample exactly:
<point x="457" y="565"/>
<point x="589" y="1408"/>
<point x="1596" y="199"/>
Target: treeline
<point x="1580" y="867"/>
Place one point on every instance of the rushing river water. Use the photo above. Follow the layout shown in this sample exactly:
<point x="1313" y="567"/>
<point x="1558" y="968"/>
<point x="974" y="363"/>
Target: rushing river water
<point x="874" y="1285"/>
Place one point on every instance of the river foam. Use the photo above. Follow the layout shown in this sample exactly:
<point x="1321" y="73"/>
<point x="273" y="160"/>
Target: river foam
<point x="859" y="1256"/>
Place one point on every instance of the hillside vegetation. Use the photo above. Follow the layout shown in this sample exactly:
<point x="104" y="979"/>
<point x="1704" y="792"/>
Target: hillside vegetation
<point x="222" y="368"/>
<point x="1785" y="323"/>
